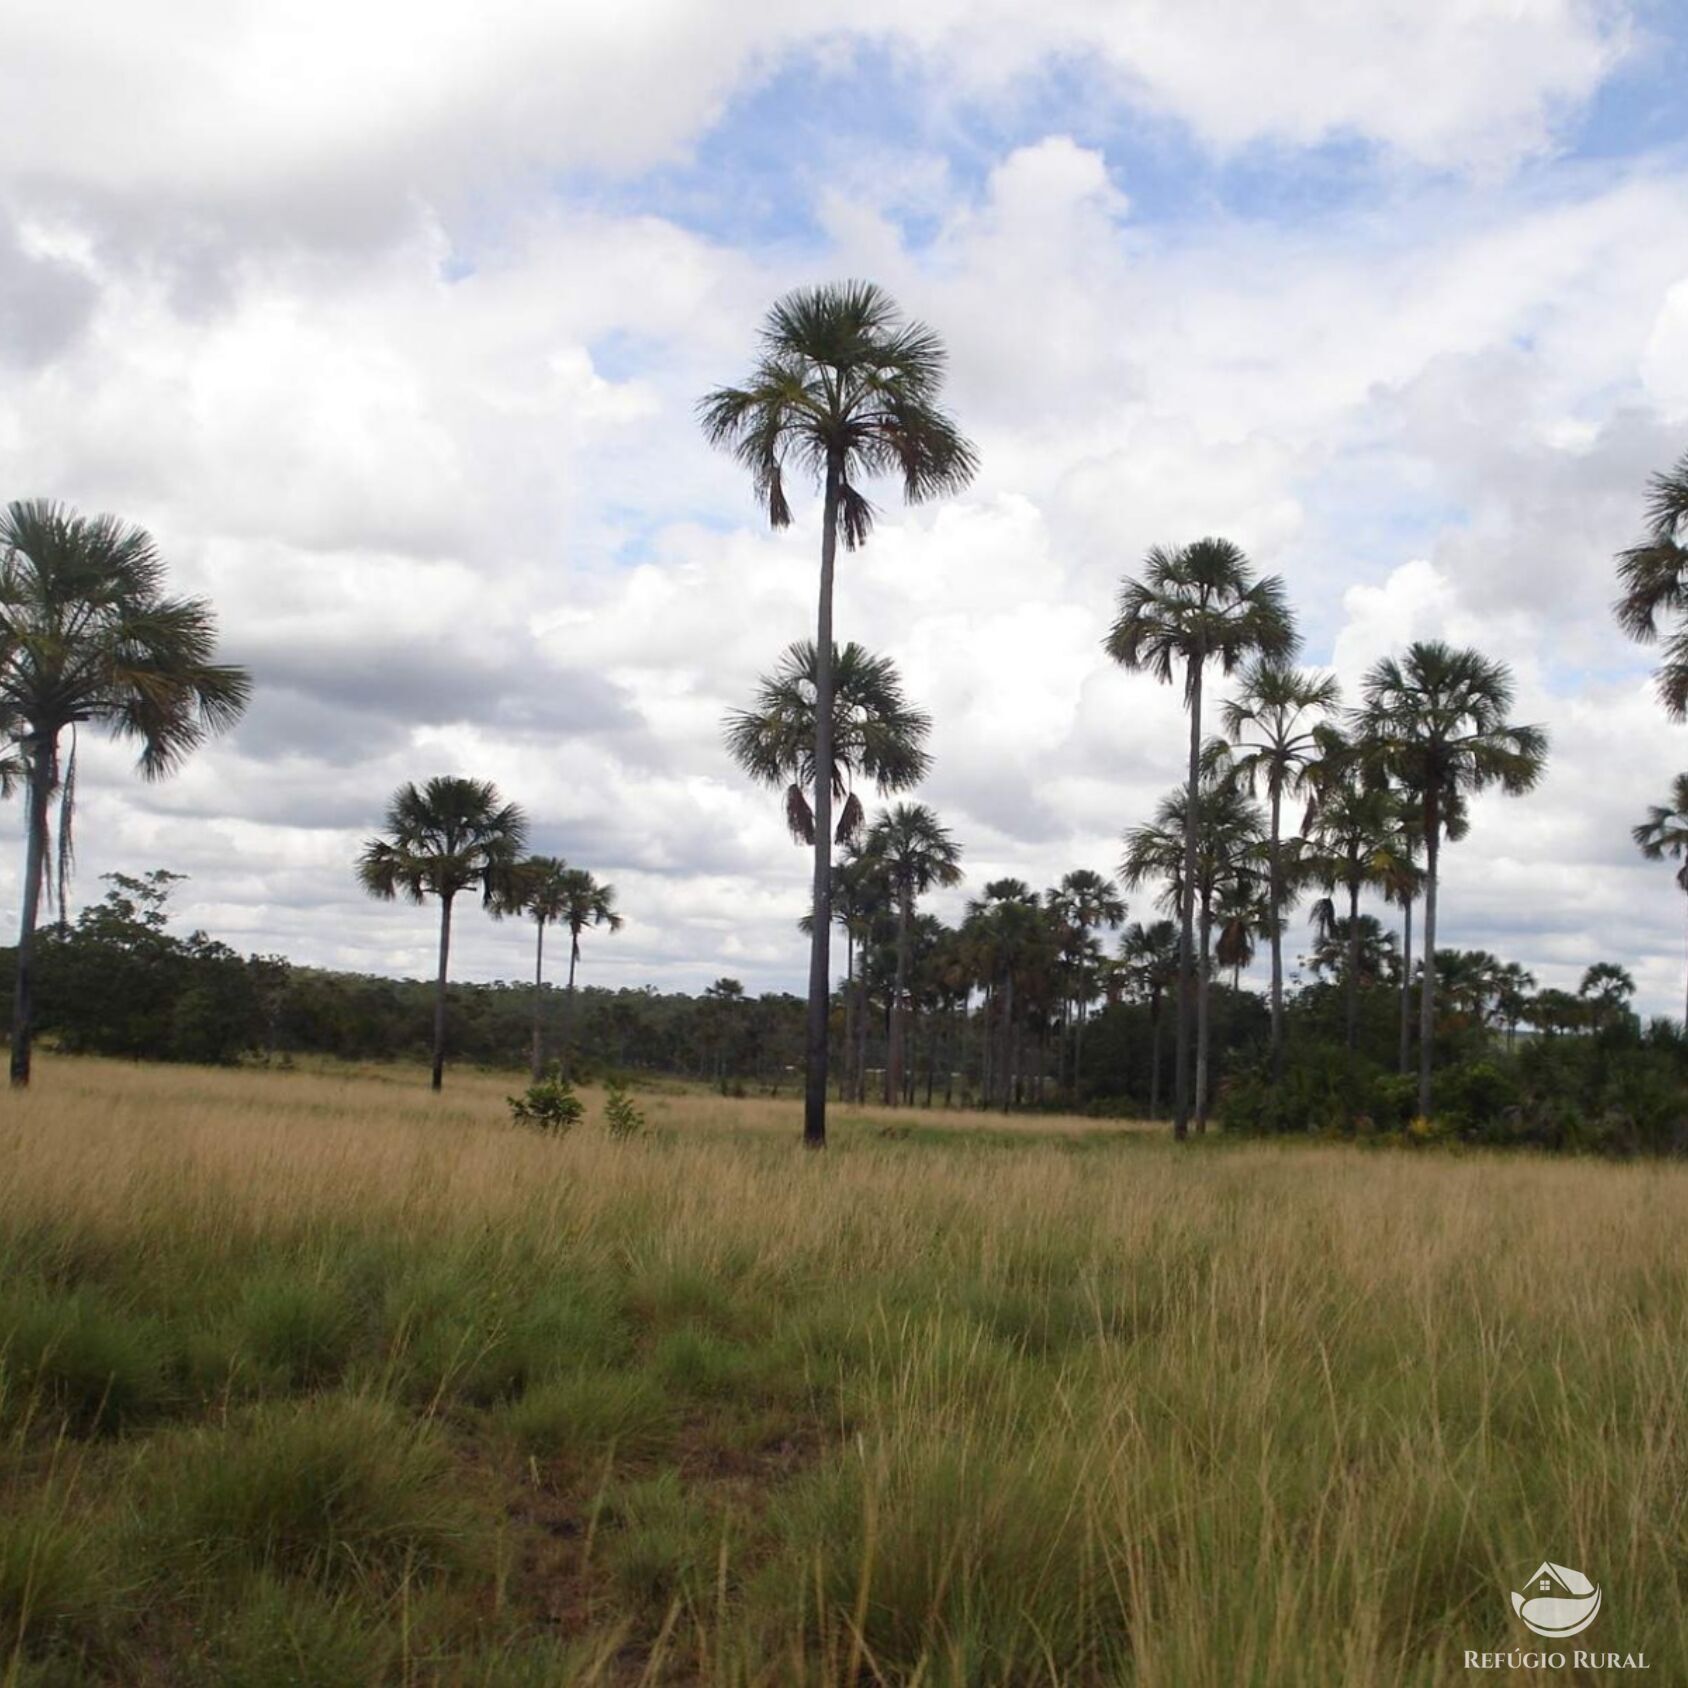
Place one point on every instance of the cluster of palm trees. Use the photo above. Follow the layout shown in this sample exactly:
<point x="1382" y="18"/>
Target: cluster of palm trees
<point x="1384" y="783"/>
<point x="454" y="835"/>
<point x="844" y="388"/>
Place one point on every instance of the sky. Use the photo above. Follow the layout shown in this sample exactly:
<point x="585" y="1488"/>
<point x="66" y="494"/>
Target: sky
<point x="389" y="323"/>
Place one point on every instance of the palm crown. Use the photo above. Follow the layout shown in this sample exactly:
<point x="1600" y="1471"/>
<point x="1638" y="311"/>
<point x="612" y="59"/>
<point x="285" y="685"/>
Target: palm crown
<point x="1665" y="830"/>
<point x="1272" y="724"/>
<point x="877" y="734"/>
<point x="844" y="385"/>
<point x="1437" y="718"/>
<point x="916" y="848"/>
<point x="1196" y="604"/>
<point x="584" y="901"/>
<point x="443" y="838"/>
<point x="1654" y="578"/>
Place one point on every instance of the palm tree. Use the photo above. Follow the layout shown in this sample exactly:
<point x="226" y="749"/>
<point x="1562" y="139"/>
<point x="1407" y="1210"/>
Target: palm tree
<point x="1437" y="720"/>
<point x="1195" y="605"/>
<point x="1006" y="933"/>
<point x="1352" y="846"/>
<point x="444" y="839"/>
<point x="1083" y="902"/>
<point x="844" y="389"/>
<point x="1516" y="984"/>
<point x="1654" y="578"/>
<point x="1228" y="858"/>
<point x="877" y="735"/>
<point x="538" y="889"/>
<point x="1150" y="953"/>
<point x="584" y="902"/>
<point x="1271" y="725"/>
<point x="88" y="635"/>
<point x="918" y="853"/>
<point x="1665" y="833"/>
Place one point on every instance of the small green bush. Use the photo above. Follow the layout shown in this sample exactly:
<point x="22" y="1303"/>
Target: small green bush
<point x="551" y="1105"/>
<point x="622" y="1114"/>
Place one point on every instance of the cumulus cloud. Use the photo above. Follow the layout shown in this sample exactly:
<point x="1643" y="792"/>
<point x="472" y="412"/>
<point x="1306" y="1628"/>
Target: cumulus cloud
<point x="335" y="301"/>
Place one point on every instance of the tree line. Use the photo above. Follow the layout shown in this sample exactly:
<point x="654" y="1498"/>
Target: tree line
<point x="1297" y="796"/>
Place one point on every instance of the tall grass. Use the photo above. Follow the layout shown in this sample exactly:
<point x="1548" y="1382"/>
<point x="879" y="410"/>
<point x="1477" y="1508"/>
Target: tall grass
<point x="314" y="1377"/>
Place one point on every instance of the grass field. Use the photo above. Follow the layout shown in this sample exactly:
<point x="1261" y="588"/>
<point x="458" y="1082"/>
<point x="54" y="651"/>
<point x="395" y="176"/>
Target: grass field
<point x="315" y="1378"/>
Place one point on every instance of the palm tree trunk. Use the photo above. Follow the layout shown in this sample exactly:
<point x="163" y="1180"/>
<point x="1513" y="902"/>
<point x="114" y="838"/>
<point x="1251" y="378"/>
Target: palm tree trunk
<point x="1353" y="964"/>
<point x="820" y="964"/>
<point x="439" y="992"/>
<point x="1406" y="986"/>
<point x="567" y="1056"/>
<point x="537" y="1064"/>
<point x="1010" y="1051"/>
<point x="1204" y="1011"/>
<point x="42" y="751"/>
<point x="1154" y="1058"/>
<point x="1276" y="892"/>
<point x="844" y="1076"/>
<point x="1427" y="968"/>
<point x="860" y="1090"/>
<point x="1187" y="909"/>
<point x="899" y="1025"/>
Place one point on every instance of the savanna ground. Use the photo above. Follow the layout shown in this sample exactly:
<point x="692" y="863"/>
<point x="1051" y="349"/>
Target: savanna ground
<point x="312" y="1377"/>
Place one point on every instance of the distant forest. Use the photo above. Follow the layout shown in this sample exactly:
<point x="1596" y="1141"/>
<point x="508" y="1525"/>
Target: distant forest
<point x="1558" y="1070"/>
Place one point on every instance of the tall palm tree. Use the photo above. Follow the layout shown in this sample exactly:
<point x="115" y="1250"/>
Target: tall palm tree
<point x="1654" y="578"/>
<point x="1436" y="718"/>
<point x="537" y="888"/>
<point x="1198" y="604"/>
<point x="441" y="840"/>
<point x="1083" y="903"/>
<point x="87" y="635"/>
<point x="1150" y="952"/>
<point x="1228" y="863"/>
<point x="844" y="389"/>
<point x="877" y="735"/>
<point x="1665" y="833"/>
<point x="1351" y="829"/>
<point x="584" y="902"/>
<point x="1007" y="933"/>
<point x="1271" y="724"/>
<point x="919" y="854"/>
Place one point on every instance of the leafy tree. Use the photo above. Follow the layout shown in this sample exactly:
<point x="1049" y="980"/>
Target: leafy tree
<point x="1654" y="579"/>
<point x="877" y="735"/>
<point x="88" y="635"/>
<point x="918" y="854"/>
<point x="441" y="840"/>
<point x="1437" y="721"/>
<point x="1665" y="833"/>
<point x="844" y="389"/>
<point x="1272" y="725"/>
<point x="1198" y="604"/>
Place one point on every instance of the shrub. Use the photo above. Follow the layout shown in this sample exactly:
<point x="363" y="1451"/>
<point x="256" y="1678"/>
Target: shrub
<point x="622" y="1114"/>
<point x="551" y="1105"/>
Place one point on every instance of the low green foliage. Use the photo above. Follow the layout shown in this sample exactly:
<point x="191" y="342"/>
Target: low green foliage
<point x="551" y="1105"/>
<point x="622" y="1115"/>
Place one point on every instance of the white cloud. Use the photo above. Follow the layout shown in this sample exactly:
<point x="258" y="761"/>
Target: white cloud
<point x="463" y="519"/>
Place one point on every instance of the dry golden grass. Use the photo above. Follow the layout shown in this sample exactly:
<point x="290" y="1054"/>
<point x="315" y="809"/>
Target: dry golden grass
<point x="1030" y="1400"/>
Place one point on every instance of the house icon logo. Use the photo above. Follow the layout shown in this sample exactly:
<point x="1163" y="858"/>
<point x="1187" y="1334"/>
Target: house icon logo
<point x="1557" y="1602"/>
